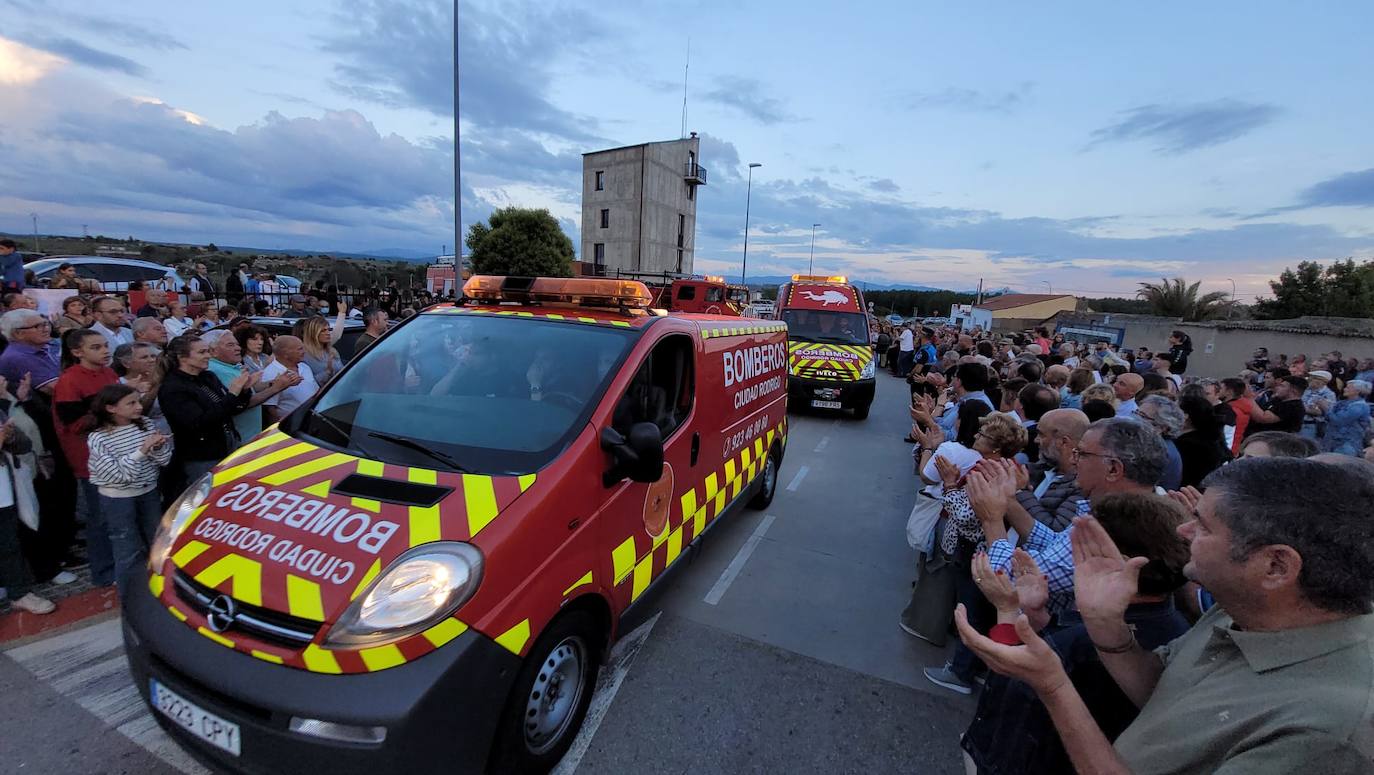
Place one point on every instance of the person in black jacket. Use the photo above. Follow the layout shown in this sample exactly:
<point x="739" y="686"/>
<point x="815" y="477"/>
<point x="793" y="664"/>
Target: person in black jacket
<point x="1201" y="445"/>
<point x="199" y="407"/>
<point x="1180" y="347"/>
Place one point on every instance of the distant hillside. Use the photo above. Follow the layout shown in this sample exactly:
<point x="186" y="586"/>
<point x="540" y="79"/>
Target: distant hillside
<point x="776" y="280"/>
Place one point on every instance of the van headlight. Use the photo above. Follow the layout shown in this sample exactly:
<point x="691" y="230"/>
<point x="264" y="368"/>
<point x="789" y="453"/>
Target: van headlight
<point x="174" y="521"/>
<point x="420" y="588"/>
<point x="868" y="370"/>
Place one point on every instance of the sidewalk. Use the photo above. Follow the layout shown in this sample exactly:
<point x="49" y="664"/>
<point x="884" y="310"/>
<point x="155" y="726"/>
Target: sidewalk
<point x="76" y="601"/>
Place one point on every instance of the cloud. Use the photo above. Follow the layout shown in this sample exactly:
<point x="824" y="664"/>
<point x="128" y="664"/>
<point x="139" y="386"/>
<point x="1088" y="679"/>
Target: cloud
<point x="884" y="185"/>
<point x="745" y="97"/>
<point x="82" y="54"/>
<point x="1176" y="129"/>
<point x="399" y="54"/>
<point x="972" y="100"/>
<point x="1353" y="189"/>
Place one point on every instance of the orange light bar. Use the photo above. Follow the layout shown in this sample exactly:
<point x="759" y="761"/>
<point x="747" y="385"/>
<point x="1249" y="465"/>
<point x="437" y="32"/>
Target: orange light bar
<point x="814" y="278"/>
<point x="586" y="292"/>
<point x="710" y="278"/>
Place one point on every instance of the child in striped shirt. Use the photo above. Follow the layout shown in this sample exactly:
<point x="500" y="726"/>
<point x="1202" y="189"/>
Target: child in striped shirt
<point x="127" y="455"/>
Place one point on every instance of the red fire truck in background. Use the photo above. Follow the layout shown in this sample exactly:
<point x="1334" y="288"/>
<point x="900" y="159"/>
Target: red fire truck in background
<point x="703" y="294"/>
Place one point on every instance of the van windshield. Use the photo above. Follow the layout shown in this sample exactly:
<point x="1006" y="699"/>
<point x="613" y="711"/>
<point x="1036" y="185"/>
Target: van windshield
<point x="810" y="325"/>
<point x="474" y="393"/>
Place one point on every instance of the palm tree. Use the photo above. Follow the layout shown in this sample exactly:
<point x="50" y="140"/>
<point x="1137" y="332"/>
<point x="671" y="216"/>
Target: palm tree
<point x="1177" y="299"/>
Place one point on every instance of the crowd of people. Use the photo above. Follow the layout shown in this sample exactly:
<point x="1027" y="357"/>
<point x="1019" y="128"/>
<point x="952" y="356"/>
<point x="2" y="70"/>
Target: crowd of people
<point x="107" y="412"/>
<point x="1146" y="571"/>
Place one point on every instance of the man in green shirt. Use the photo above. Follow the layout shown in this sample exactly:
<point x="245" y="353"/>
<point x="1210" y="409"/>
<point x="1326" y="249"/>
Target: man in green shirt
<point x="226" y="362"/>
<point x="1277" y="678"/>
<point x="376" y="320"/>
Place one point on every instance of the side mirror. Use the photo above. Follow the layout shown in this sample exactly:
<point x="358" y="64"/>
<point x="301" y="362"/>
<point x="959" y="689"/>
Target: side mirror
<point x="638" y="458"/>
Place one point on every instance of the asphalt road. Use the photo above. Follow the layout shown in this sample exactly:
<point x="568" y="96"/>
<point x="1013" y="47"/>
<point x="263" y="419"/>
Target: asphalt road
<point x="774" y="648"/>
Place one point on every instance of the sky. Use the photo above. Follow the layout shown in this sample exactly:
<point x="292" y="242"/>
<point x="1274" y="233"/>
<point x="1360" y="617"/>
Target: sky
<point x="1043" y="147"/>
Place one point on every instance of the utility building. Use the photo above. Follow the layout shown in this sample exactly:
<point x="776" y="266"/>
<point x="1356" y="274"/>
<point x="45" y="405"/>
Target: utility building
<point x="639" y="207"/>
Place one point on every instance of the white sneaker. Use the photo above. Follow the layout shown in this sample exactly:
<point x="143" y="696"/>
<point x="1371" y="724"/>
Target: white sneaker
<point x="35" y="604"/>
<point x="63" y="577"/>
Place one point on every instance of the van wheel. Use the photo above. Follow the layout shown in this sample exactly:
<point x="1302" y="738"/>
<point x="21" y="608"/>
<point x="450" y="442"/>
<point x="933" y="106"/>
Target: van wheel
<point x="550" y="697"/>
<point x="769" y="487"/>
<point x="861" y="412"/>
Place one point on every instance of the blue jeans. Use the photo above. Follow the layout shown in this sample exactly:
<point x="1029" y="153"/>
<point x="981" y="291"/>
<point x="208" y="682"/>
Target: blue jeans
<point x="99" y="551"/>
<point x="132" y="524"/>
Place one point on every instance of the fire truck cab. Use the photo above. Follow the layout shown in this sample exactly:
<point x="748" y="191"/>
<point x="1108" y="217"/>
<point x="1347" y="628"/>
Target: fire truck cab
<point x="832" y="364"/>
<point x="703" y="294"/>
<point x="420" y="569"/>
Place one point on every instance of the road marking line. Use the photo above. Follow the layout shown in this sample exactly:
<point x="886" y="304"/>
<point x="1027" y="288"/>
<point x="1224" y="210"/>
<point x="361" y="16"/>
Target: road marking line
<point x="825" y="442"/>
<point x="797" y="480"/>
<point x="608" y="683"/>
<point x="736" y="565"/>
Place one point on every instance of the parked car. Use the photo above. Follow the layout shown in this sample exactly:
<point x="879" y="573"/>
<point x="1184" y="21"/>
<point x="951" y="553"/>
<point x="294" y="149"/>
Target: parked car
<point x="894" y="319"/>
<point x="113" y="274"/>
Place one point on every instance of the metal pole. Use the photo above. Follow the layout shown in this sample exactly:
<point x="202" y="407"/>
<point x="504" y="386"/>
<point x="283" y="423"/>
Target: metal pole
<point x="1232" y="305"/>
<point x="36" y="247"/>
<point x="1047" y="285"/>
<point x="748" y="194"/>
<point x="457" y="155"/>
<point x="811" y="266"/>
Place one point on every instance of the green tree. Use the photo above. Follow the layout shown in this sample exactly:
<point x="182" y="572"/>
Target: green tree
<point x="520" y="242"/>
<point x="1177" y="299"/>
<point x="1343" y="289"/>
<point x="1113" y="304"/>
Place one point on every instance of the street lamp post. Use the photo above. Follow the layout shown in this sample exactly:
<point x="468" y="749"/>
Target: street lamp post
<point x="748" y="193"/>
<point x="457" y="156"/>
<point x="811" y="266"/>
<point x="1232" y="305"/>
<point x="36" y="247"/>
<point x="1047" y="285"/>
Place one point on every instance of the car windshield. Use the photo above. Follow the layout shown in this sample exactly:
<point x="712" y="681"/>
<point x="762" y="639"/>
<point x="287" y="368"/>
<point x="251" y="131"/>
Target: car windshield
<point x="808" y="325"/>
<point x="477" y="393"/>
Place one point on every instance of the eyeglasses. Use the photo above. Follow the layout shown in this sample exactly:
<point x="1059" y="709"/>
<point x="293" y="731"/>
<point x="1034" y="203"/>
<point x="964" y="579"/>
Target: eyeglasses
<point x="39" y="324"/>
<point x="1079" y="452"/>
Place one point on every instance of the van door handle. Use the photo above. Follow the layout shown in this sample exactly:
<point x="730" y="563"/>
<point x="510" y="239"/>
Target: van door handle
<point x="696" y="447"/>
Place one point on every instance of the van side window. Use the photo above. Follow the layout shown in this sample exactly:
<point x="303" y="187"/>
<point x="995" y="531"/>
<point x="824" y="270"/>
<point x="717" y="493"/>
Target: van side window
<point x="687" y="292"/>
<point x="661" y="391"/>
<point x="715" y="294"/>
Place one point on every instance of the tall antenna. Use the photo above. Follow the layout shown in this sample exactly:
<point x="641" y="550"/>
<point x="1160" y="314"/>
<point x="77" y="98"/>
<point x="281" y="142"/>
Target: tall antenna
<point x="685" y="68"/>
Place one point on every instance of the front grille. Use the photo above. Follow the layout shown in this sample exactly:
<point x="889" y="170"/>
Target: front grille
<point x="264" y="624"/>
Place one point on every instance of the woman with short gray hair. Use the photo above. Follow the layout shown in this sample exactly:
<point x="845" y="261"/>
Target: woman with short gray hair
<point x="1347" y="422"/>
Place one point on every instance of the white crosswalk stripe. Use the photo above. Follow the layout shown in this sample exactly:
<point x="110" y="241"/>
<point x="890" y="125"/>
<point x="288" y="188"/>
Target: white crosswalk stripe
<point x="87" y="665"/>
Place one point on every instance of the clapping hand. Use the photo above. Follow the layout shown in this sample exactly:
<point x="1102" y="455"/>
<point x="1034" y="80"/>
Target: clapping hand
<point x="1033" y="662"/>
<point x="287" y="379"/>
<point x="25" y="389"/>
<point x="1103" y="580"/>
<point x="996" y="587"/>
<point x="988" y="498"/>
<point x="1032" y="588"/>
<point x="141" y="384"/>
<point x="1187" y="497"/>
<point x="6" y="431"/>
<point x="151" y="442"/>
<point x="242" y="381"/>
<point x="949" y="472"/>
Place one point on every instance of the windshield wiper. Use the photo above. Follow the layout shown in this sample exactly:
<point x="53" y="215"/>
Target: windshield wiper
<point x="338" y="428"/>
<point x="421" y="448"/>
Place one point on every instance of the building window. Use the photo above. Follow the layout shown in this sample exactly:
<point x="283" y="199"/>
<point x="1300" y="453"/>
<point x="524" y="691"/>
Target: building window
<point x="605" y="219"/>
<point x="691" y="192"/>
<point x="600" y="180"/>
<point x="681" y="228"/>
<point x="679" y="260"/>
<point x="599" y="253"/>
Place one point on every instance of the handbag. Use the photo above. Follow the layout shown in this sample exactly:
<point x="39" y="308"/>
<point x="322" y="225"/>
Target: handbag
<point x="23" y="471"/>
<point x="920" y="525"/>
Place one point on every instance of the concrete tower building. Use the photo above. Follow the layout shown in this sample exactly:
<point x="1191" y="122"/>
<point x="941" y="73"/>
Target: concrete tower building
<point x="639" y="206"/>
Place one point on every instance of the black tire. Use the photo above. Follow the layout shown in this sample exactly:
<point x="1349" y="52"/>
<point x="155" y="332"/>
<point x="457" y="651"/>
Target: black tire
<point x="540" y="750"/>
<point x="769" y="486"/>
<point x="861" y="411"/>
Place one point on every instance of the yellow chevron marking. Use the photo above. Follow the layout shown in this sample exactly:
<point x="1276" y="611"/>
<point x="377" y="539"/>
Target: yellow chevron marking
<point x="644" y="573"/>
<point x="770" y="439"/>
<point x="674" y="545"/>
<point x="156" y="583"/>
<point x="246" y="575"/>
<point x="554" y="316"/>
<point x="711" y="488"/>
<point x="480" y="497"/>
<point x="254" y="446"/>
<point x="623" y="559"/>
<point x="367" y="579"/>
<point x="306" y="469"/>
<point x="318" y="660"/>
<point x="515" y="638"/>
<point x="526" y="482"/>
<point x="370" y="467"/>
<point x="257" y="463"/>
<point x="586" y="320"/>
<point x="689" y="504"/>
<point x="620" y="323"/>
<point x="699" y="521"/>
<point x="216" y="637"/>
<point x="303" y="598"/>
<point x="422" y="475"/>
<point x="582" y="582"/>
<point x="367" y="503"/>
<point x="729" y="470"/>
<point x="744" y="458"/>
<point x="758" y="449"/>
<point x="424" y="525"/>
<point x="190" y="551"/>
<point x="264" y="656"/>
<point x="382" y="657"/>
<point x="177" y="613"/>
<point x="320" y="490"/>
<point x="445" y="631"/>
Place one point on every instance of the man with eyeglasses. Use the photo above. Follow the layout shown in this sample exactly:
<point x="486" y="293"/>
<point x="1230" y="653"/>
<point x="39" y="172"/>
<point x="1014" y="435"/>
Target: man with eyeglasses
<point x="1114" y="455"/>
<point x="32" y="350"/>
<point x="110" y="321"/>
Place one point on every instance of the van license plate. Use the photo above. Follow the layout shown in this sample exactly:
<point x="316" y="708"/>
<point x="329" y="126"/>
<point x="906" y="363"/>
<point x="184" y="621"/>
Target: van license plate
<point x="827" y="404"/>
<point x="195" y="719"/>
